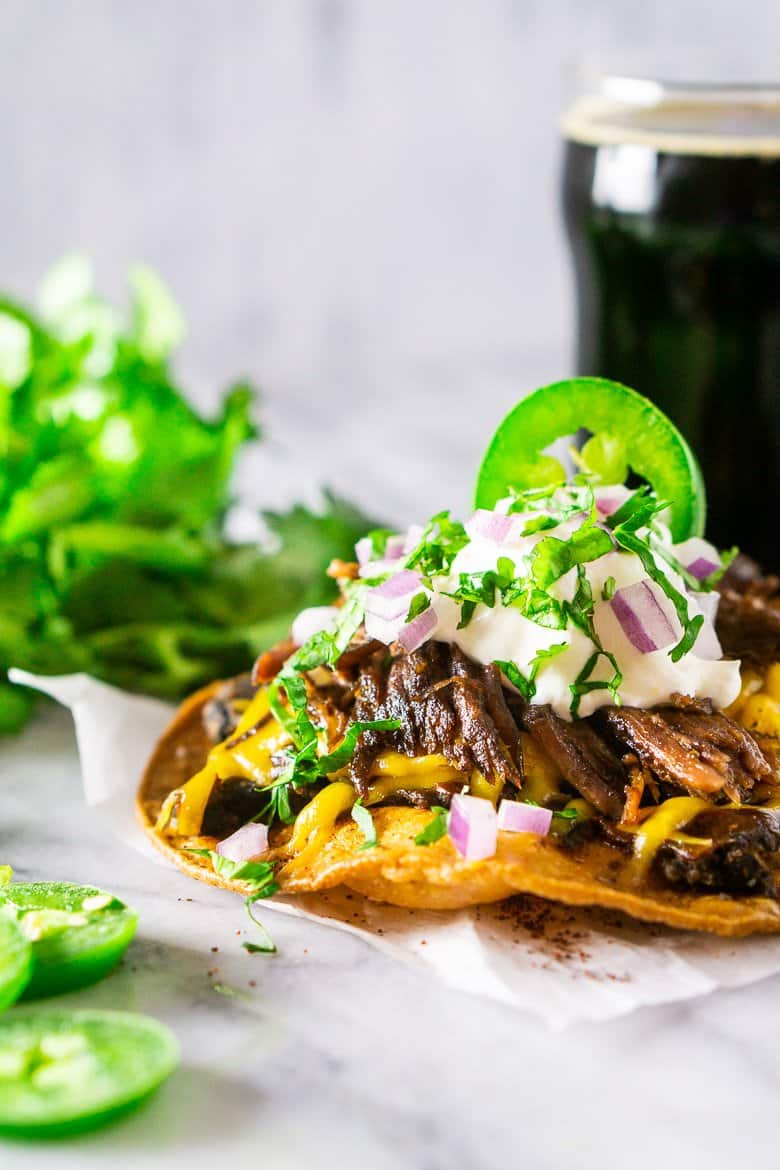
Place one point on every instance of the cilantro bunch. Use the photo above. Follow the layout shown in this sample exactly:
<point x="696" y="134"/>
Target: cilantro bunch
<point x="113" y="493"/>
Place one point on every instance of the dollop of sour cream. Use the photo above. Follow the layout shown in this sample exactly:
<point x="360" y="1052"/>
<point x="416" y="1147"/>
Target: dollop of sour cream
<point x="503" y="633"/>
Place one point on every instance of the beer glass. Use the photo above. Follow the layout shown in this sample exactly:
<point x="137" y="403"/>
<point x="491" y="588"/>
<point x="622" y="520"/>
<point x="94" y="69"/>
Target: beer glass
<point x="671" y="198"/>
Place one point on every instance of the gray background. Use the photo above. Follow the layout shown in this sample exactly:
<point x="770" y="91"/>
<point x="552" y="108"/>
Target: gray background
<point x="354" y="200"/>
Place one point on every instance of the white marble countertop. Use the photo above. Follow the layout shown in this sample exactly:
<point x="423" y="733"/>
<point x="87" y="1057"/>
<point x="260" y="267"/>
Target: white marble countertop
<point x="331" y="1054"/>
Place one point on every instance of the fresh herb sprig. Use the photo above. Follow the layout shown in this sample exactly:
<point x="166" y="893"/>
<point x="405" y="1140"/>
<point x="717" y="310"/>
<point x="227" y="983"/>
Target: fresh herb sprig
<point x="288" y="699"/>
<point x="365" y="822"/>
<point x="637" y="513"/>
<point x="259" y="877"/>
<point x="114" y="556"/>
<point x="440" y="542"/>
<point x="435" y="829"/>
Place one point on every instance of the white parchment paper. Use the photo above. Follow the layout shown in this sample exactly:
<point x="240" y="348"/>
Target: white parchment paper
<point x="561" y="963"/>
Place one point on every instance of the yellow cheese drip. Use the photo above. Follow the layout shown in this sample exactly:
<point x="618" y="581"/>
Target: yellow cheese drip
<point x="315" y="821"/>
<point x="541" y="778"/>
<point x="662" y="824"/>
<point x="241" y="754"/>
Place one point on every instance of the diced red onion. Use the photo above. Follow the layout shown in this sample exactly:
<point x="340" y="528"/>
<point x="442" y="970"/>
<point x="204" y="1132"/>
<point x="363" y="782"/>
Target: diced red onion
<point x="707" y="644"/>
<point x="698" y="556"/>
<point x="394" y="549"/>
<point x="312" y="621"/>
<point x="383" y="629"/>
<point x="412" y="634"/>
<point x="247" y="842"/>
<point x="642" y="618"/>
<point x="701" y="568"/>
<point x="608" y="500"/>
<point x="473" y="827"/>
<point x="514" y="817"/>
<point x="392" y="597"/>
<point x="492" y="526"/>
<point x="364" y="550"/>
<point x="412" y="539"/>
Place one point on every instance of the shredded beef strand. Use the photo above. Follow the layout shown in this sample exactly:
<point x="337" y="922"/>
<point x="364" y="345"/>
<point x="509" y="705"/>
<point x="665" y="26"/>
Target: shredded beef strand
<point x="635" y="790"/>
<point x="467" y="720"/>
<point x="368" y="705"/>
<point x="582" y="757"/>
<point x="674" y="757"/>
<point x="271" y="662"/>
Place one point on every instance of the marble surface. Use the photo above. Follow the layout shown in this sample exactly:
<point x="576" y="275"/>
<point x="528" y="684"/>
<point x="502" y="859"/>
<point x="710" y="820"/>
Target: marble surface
<point x="330" y="1054"/>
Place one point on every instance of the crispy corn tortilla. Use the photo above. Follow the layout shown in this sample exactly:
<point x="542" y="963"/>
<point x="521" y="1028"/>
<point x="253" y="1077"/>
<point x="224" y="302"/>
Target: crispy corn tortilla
<point x="435" y="877"/>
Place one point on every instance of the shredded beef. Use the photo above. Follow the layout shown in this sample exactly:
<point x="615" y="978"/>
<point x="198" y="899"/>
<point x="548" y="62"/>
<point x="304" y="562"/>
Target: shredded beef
<point x="582" y="756"/>
<point x="746" y="763"/>
<point x="447" y="705"/>
<point x="748" y="626"/>
<point x="676" y="758"/>
<point x="748" y="620"/>
<point x="621" y="759"/>
<point x="739" y="860"/>
<point x="232" y="803"/>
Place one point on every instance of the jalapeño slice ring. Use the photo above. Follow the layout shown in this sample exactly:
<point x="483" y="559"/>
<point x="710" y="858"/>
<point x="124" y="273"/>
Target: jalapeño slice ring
<point x="64" y="1072"/>
<point x="654" y="447"/>
<point x="78" y="933"/>
<point x="15" y="961"/>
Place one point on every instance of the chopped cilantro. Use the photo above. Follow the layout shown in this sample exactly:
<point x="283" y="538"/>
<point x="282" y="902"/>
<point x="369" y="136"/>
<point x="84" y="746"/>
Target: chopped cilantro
<point x="608" y="590"/>
<point x="637" y="512"/>
<point x="266" y="946"/>
<point x="365" y="822"/>
<point x="259" y="948"/>
<point x="258" y="875"/>
<point x="440" y="543"/>
<point x="726" y="559"/>
<point x="419" y="603"/>
<point x="552" y="558"/>
<point x="277" y="806"/>
<point x="378" y="538"/>
<point x="435" y="829"/>
<point x="546" y="655"/>
<point x="526" y="686"/>
<point x="344" y="752"/>
<point x="566" y="814"/>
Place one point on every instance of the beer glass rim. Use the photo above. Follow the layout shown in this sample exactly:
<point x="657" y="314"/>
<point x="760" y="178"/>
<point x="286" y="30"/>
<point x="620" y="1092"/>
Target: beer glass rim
<point x="695" y="115"/>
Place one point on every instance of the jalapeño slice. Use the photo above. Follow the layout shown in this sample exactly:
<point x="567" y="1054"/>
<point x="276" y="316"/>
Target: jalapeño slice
<point x="66" y="1072"/>
<point x="654" y="448"/>
<point x="15" y="961"/>
<point x="77" y="933"/>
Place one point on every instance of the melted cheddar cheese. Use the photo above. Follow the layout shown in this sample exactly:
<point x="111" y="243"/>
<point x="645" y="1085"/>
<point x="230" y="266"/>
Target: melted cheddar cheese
<point x="662" y="823"/>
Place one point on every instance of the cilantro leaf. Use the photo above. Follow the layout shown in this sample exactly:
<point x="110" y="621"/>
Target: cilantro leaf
<point x="552" y="558"/>
<point x="365" y="822"/>
<point x="419" y="603"/>
<point x="258" y="874"/>
<point x="441" y="541"/>
<point x="435" y="829"/>
<point x="114" y="557"/>
<point x="378" y="538"/>
<point x="266" y="948"/>
<point x="341" y="755"/>
<point x="525" y="685"/>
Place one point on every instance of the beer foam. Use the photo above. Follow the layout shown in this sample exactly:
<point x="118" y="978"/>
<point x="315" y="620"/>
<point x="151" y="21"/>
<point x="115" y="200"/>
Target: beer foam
<point x="729" y="126"/>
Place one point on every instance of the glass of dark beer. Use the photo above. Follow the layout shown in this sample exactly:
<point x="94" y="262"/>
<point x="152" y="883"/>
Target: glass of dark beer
<point x="671" y="198"/>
